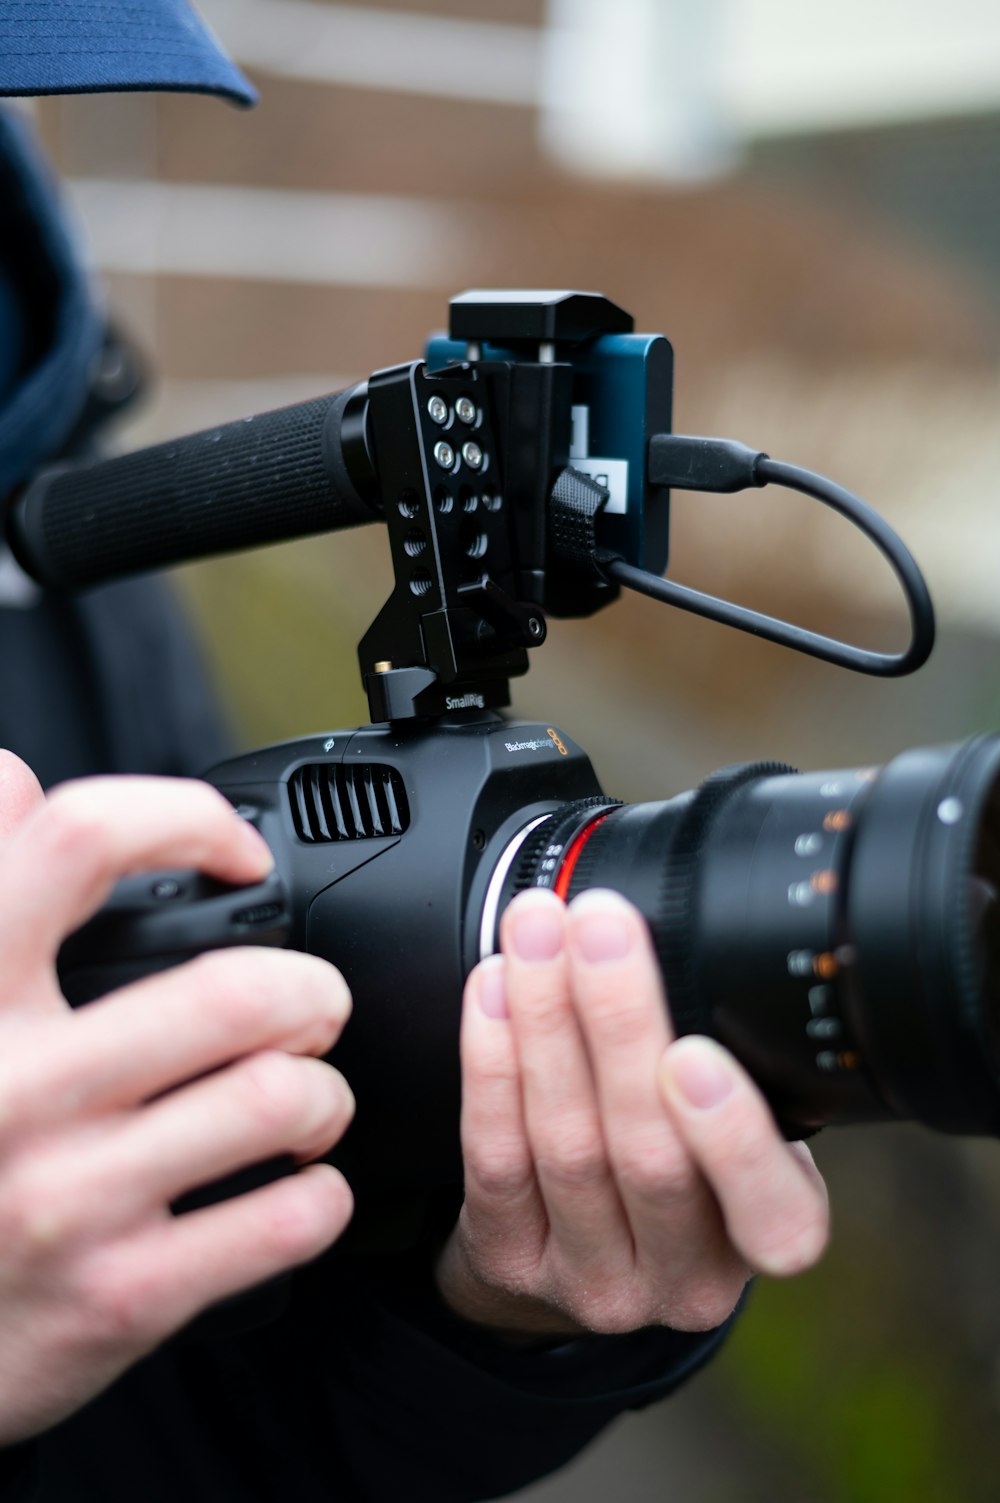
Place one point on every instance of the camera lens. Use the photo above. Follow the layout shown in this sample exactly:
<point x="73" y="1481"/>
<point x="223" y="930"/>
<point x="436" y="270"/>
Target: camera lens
<point x="838" y="931"/>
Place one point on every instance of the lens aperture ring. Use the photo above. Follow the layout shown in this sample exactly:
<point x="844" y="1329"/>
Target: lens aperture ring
<point x="544" y="853"/>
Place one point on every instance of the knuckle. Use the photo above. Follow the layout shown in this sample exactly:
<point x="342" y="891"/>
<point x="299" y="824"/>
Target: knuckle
<point x="315" y="982"/>
<point x="203" y="799"/>
<point x="302" y="1221"/>
<point x="650" y="1169"/>
<point x="573" y="1154"/>
<point x="228" y="985"/>
<point x="497" y="1170"/>
<point x="249" y="990"/>
<point x="201" y="809"/>
<point x="482" y="1070"/>
<point x="36" y="1219"/>
<point x="706" y="1303"/>
<point x="608" y="1312"/>
<point x="119" y="1306"/>
<point x="119" y="1297"/>
<point x="335" y="1105"/>
<point x="505" y="1278"/>
<point x="600" y="1317"/>
<point x="271" y="1090"/>
<point x="299" y="1104"/>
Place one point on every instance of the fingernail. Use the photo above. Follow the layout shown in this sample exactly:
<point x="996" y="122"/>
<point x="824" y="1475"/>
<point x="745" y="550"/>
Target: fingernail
<point x="536" y="930"/>
<point x="602" y="931"/>
<point x="493" y="988"/>
<point x="700" y="1073"/>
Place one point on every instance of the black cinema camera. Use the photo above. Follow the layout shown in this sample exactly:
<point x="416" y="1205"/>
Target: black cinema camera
<point x="838" y="931"/>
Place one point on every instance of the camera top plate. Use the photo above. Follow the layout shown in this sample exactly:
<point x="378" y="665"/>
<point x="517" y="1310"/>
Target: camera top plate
<point x="522" y="315"/>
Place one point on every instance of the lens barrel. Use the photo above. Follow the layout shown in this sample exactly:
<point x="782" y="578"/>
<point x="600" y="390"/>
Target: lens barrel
<point x="838" y="931"/>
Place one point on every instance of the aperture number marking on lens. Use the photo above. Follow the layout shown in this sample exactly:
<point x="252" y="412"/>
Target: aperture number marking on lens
<point x="808" y="845"/>
<point x="548" y="866"/>
<point x="823" y="1025"/>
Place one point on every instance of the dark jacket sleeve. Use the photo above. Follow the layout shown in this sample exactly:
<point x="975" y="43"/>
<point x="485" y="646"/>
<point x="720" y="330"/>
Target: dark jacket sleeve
<point x="426" y="1406"/>
<point x="347" y="1398"/>
<point x="19" y="1473"/>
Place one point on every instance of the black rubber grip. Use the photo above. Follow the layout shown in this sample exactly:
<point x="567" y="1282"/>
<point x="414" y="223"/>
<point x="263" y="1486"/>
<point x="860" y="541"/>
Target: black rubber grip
<point x="260" y="480"/>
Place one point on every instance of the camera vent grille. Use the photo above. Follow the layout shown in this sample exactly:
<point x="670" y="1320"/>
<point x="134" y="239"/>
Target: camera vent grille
<point x="362" y="801"/>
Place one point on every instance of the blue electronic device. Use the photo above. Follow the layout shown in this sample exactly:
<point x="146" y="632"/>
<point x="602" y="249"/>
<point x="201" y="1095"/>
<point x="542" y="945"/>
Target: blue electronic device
<point x="622" y="394"/>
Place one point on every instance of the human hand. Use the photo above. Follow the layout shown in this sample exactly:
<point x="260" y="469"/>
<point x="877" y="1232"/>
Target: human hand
<point x="108" y="1114"/>
<point x="615" y="1178"/>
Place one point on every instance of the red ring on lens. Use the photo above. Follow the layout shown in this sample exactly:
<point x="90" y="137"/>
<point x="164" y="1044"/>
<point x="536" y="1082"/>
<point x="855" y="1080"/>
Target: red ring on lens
<point x="568" y="867"/>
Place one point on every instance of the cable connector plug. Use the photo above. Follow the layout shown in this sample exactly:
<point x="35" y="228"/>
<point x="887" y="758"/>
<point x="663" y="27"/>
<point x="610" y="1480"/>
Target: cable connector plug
<point x="722" y="464"/>
<point x="686" y="463"/>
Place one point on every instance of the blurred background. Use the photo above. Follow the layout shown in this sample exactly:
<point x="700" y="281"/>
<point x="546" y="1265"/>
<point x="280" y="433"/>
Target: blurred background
<point x="804" y="199"/>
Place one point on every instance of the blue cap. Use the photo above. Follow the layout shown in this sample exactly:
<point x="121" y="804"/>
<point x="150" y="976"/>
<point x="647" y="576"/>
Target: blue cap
<point x="94" y="46"/>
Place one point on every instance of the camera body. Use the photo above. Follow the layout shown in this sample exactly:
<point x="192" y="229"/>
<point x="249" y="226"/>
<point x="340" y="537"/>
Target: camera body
<point x="390" y="840"/>
<point x="393" y="848"/>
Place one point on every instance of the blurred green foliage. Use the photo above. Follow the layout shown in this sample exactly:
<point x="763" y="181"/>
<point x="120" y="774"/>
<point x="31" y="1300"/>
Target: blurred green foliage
<point x="862" y="1420"/>
<point x="284" y="653"/>
<point x="857" y="1377"/>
